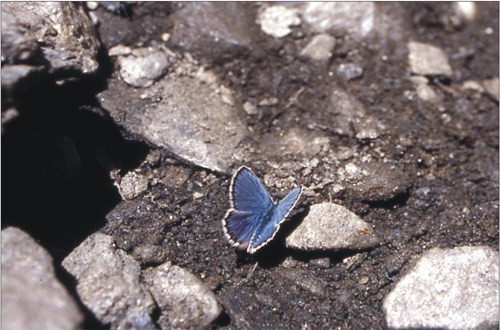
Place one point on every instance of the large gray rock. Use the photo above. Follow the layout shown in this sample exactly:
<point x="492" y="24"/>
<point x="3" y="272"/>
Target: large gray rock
<point x="428" y="60"/>
<point x="62" y="31"/>
<point x="447" y="289"/>
<point x="185" y="302"/>
<point x="32" y="296"/>
<point x="196" y="121"/>
<point x="109" y="284"/>
<point x="331" y="226"/>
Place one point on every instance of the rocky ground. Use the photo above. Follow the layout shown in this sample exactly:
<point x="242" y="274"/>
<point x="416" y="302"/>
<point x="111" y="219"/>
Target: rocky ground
<point x="123" y="122"/>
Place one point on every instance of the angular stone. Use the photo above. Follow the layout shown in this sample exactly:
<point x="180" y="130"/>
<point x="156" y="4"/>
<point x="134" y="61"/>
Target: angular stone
<point x="491" y="86"/>
<point x="32" y="296"/>
<point x="447" y="289"/>
<point x="191" y="119"/>
<point x="347" y="110"/>
<point x="320" y="48"/>
<point x="331" y="226"/>
<point x="109" y="283"/>
<point x="350" y="71"/>
<point x="428" y="60"/>
<point x="185" y="302"/>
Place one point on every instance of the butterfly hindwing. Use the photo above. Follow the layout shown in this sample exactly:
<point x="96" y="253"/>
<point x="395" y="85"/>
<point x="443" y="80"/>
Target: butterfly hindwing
<point x="239" y="227"/>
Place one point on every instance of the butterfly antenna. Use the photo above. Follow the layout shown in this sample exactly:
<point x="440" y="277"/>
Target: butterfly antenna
<point x="248" y="276"/>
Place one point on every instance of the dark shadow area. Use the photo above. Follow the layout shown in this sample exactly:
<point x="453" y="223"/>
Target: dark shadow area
<point x="56" y="161"/>
<point x="223" y="320"/>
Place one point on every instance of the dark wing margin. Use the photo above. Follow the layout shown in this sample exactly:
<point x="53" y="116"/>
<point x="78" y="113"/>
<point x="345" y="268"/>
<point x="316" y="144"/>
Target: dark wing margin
<point x="239" y="227"/>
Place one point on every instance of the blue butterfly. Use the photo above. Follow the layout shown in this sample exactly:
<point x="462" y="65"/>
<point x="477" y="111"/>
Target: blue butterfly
<point x="254" y="218"/>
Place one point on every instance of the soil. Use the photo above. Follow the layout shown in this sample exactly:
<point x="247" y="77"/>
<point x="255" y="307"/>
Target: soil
<point x="450" y="154"/>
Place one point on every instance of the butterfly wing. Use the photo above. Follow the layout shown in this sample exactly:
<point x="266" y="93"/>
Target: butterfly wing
<point x="239" y="227"/>
<point x="273" y="219"/>
<point x="249" y="203"/>
<point x="247" y="193"/>
<point x="286" y="205"/>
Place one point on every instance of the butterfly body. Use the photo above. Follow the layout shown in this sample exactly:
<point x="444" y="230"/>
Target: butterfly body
<point x="254" y="218"/>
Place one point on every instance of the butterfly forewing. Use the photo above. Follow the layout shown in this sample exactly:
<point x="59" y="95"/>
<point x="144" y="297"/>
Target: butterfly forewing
<point x="286" y="205"/>
<point x="247" y="192"/>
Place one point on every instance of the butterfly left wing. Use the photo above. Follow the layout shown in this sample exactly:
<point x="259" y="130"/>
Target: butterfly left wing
<point x="271" y="224"/>
<point x="249" y="203"/>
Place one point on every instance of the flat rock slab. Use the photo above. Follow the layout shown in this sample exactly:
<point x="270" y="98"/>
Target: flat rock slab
<point x="331" y="226"/>
<point x="374" y="181"/>
<point x="196" y="121"/>
<point x="447" y="289"/>
<point x="185" y="302"/>
<point x="215" y="31"/>
<point x="32" y="296"/>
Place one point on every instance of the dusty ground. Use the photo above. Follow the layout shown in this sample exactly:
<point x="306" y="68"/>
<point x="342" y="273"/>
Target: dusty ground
<point x="451" y="158"/>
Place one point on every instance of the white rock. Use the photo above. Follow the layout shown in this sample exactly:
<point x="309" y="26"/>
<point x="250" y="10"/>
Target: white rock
<point x="467" y="9"/>
<point x="250" y="109"/>
<point x="340" y="18"/>
<point x="426" y="93"/>
<point x="472" y="85"/>
<point x="276" y="20"/>
<point x="143" y="67"/>
<point x="428" y="60"/>
<point x="132" y="185"/>
<point x="331" y="226"/>
<point x="319" y="48"/>
<point x="447" y="289"/>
